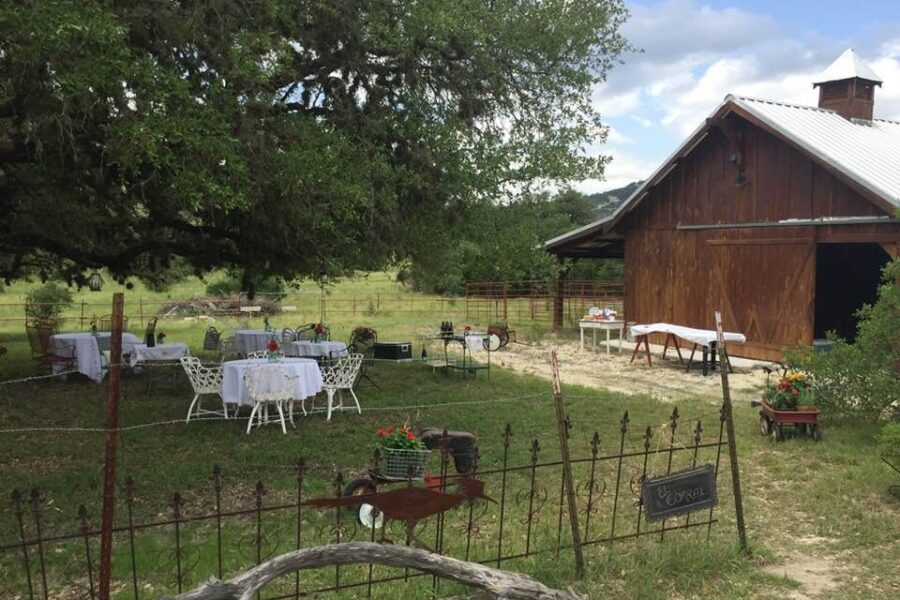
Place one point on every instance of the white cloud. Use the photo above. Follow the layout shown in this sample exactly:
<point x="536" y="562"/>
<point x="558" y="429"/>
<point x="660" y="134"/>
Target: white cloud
<point x="693" y="55"/>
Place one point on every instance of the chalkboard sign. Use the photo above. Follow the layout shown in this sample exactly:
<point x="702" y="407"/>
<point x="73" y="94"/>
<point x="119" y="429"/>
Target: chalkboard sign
<point x="679" y="493"/>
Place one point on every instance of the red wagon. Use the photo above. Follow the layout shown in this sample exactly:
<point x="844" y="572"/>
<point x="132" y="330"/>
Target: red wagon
<point x="805" y="420"/>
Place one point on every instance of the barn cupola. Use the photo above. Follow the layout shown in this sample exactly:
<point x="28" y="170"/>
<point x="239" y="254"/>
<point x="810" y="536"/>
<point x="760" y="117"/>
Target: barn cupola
<point x="848" y="87"/>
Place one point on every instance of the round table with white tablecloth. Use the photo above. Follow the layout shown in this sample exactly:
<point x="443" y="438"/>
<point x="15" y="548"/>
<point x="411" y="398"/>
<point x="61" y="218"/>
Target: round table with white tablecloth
<point x="310" y="349"/>
<point x="252" y="340"/>
<point x="305" y="370"/>
<point x="87" y="351"/>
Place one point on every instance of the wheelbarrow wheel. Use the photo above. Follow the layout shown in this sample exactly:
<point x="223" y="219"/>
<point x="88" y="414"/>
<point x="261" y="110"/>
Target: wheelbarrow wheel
<point x="359" y="487"/>
<point x="765" y="427"/>
<point x="816" y="432"/>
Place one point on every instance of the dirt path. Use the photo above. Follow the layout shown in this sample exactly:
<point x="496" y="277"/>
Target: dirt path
<point x="666" y="380"/>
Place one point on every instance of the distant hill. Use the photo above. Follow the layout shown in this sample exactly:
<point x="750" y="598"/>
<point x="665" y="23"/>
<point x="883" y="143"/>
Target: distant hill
<point x="607" y="202"/>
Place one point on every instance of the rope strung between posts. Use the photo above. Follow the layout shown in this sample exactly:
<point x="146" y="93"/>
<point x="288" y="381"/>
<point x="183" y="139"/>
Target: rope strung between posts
<point x="176" y="421"/>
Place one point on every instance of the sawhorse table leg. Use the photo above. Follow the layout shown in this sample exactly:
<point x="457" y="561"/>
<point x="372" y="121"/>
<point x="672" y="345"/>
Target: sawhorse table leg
<point x="637" y="346"/>
<point x="671" y="337"/>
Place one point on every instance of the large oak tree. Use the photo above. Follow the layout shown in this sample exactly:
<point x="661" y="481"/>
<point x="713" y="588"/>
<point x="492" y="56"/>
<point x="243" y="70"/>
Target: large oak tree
<point x="283" y="137"/>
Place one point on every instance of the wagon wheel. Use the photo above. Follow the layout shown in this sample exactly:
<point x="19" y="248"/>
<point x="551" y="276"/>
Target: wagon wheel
<point x="765" y="427"/>
<point x="816" y="432"/>
<point x="779" y="432"/>
<point x="366" y="513"/>
<point x="492" y="342"/>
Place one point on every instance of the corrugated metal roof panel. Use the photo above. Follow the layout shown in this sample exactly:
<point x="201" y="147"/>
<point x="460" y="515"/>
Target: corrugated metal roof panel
<point x="866" y="151"/>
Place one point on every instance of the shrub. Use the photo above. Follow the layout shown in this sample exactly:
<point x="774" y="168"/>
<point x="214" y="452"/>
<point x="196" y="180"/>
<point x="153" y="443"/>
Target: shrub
<point x="861" y="379"/>
<point x="47" y="301"/>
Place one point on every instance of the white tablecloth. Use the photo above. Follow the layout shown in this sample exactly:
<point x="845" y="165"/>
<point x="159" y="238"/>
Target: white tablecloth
<point x="306" y="370"/>
<point x="171" y="351"/>
<point x="252" y="340"/>
<point x="696" y="336"/>
<point x="87" y="352"/>
<point x="316" y="349"/>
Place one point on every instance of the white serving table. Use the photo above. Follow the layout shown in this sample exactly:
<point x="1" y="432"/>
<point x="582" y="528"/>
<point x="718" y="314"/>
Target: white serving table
<point x="87" y="351"/>
<point x="706" y="339"/>
<point x="252" y="340"/>
<point x="594" y="325"/>
<point x="160" y="352"/>
<point x="305" y="370"/>
<point x="310" y="349"/>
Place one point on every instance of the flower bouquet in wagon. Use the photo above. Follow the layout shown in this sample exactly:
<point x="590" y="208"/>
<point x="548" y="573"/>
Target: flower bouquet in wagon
<point x="404" y="453"/>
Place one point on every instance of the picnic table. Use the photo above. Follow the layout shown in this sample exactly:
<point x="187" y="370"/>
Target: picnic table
<point x="706" y="339"/>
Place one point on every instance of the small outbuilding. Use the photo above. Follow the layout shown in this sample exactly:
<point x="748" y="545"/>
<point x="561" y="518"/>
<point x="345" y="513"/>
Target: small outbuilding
<point x="781" y="216"/>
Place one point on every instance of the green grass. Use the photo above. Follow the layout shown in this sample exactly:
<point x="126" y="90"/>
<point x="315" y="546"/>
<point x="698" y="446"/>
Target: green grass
<point x="801" y="498"/>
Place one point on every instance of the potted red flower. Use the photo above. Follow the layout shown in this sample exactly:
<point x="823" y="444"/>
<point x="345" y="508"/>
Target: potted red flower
<point x="321" y="331"/>
<point x="404" y="453"/>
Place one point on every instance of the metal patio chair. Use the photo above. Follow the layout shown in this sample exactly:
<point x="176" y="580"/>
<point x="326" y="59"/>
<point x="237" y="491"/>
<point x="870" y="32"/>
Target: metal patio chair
<point x="205" y="380"/>
<point x="269" y="385"/>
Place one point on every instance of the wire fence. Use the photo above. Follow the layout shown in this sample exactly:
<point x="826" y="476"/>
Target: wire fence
<point x="234" y="525"/>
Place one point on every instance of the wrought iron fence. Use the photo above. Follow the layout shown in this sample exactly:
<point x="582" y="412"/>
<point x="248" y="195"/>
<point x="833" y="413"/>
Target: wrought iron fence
<point x="221" y="530"/>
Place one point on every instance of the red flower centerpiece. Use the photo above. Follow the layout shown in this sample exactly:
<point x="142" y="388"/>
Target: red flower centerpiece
<point x="272" y="351"/>
<point x="405" y="454"/>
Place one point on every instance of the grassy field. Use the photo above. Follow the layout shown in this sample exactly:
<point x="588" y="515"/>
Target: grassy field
<point x="820" y="521"/>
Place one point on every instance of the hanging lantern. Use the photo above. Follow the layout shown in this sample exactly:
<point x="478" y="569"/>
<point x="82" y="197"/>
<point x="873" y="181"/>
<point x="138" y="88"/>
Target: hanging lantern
<point x="95" y="282"/>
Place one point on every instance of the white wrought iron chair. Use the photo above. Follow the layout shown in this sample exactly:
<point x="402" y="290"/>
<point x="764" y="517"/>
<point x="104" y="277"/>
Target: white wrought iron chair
<point x="227" y="348"/>
<point x="204" y="380"/>
<point x="341" y="376"/>
<point x="268" y="385"/>
<point x="288" y="337"/>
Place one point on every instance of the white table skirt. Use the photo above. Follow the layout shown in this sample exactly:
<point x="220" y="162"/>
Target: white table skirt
<point x="316" y="349"/>
<point x="170" y="351"/>
<point x="87" y="352"/>
<point x="252" y="340"/>
<point x="306" y="370"/>
<point x="703" y="337"/>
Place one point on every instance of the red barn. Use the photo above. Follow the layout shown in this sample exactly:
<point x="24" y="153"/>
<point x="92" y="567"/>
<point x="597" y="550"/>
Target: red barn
<point x="780" y="216"/>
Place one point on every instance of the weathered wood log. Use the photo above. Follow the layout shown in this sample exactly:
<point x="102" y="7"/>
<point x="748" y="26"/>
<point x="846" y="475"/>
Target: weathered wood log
<point x="497" y="583"/>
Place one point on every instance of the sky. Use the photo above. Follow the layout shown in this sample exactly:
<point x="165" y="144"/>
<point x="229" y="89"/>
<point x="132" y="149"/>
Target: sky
<point x="694" y="53"/>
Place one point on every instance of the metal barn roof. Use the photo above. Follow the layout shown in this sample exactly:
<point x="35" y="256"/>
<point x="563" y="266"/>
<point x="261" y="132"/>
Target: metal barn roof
<point x="868" y="152"/>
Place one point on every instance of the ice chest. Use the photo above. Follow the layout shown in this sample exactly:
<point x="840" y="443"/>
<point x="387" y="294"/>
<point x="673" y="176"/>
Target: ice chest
<point x="392" y="350"/>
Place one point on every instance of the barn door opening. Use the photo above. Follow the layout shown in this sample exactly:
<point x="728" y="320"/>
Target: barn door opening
<point x="847" y="276"/>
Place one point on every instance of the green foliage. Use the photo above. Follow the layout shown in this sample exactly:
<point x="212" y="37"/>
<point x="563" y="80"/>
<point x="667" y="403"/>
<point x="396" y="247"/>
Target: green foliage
<point x="889" y="440"/>
<point x="303" y="141"/>
<point x="503" y="242"/>
<point x="862" y="379"/>
<point x="47" y="301"/>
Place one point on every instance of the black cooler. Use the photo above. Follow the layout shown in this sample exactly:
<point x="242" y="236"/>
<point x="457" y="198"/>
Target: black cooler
<point x="392" y="350"/>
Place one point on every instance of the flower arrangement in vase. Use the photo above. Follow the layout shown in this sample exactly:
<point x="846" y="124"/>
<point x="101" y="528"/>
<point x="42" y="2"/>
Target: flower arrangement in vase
<point x="321" y="332"/>
<point x="272" y="351"/>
